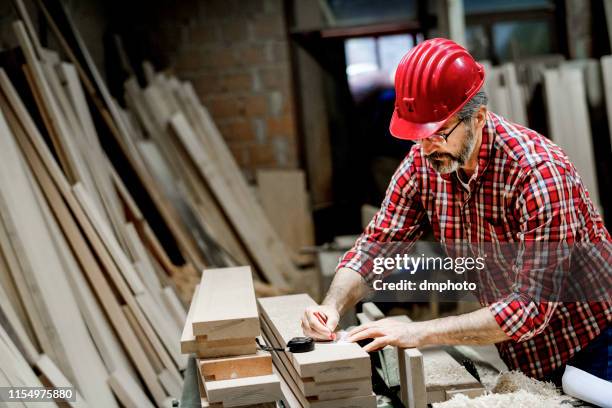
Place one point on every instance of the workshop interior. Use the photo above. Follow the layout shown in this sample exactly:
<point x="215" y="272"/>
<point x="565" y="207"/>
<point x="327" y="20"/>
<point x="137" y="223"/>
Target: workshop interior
<point x="305" y="203"/>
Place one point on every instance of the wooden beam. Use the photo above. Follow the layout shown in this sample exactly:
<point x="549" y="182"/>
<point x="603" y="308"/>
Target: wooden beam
<point x="227" y="368"/>
<point x="244" y="391"/>
<point x="225" y="307"/>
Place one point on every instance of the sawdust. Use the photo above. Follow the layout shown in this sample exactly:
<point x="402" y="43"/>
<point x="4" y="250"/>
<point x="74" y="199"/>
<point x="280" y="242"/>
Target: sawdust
<point x="513" y="389"/>
<point x="517" y="399"/>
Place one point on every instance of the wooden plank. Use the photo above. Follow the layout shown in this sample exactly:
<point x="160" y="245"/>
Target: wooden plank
<point x="57" y="379"/>
<point x="57" y="189"/>
<point x="264" y="246"/>
<point x="310" y="390"/>
<point x="412" y="378"/>
<point x="107" y="344"/>
<point x="170" y="383"/>
<point x="83" y="364"/>
<point x="606" y="68"/>
<point x="293" y="223"/>
<point x="372" y="311"/>
<point x="174" y="305"/>
<point x="568" y="117"/>
<point x="244" y="391"/>
<point x="164" y="328"/>
<point x="14" y="325"/>
<point x="110" y="115"/>
<point x="227" y="368"/>
<point x="109" y="239"/>
<point x="328" y="361"/>
<point x="226" y="307"/>
<point x="128" y="392"/>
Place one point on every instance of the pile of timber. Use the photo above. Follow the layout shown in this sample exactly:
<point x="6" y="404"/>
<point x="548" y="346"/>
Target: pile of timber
<point x="85" y="299"/>
<point x="221" y="328"/>
<point x="88" y="294"/>
<point x="332" y="375"/>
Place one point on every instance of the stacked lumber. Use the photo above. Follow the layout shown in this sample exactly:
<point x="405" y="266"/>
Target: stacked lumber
<point x="426" y="376"/>
<point x="332" y="375"/>
<point x="221" y="327"/>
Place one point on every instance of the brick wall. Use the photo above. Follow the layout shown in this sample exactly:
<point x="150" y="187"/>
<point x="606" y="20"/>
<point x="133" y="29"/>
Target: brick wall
<point x="236" y="54"/>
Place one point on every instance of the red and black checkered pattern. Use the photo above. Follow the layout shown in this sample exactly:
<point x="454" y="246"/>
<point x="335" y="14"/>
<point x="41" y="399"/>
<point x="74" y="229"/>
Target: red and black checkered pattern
<point x="525" y="191"/>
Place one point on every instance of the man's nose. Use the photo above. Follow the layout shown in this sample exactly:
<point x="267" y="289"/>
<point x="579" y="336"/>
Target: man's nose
<point x="428" y="147"/>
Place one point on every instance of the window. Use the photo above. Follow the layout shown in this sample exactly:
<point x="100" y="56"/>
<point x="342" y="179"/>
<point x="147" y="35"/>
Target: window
<point x="371" y="61"/>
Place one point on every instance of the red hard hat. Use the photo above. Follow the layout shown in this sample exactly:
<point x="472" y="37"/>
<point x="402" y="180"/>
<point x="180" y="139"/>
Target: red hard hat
<point x="433" y="81"/>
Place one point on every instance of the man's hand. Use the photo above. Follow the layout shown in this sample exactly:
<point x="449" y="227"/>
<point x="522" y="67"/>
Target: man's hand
<point x="388" y="332"/>
<point x="319" y="322"/>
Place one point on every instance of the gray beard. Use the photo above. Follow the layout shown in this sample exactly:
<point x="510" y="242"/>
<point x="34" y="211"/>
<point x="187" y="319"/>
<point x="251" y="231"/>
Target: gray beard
<point x="445" y="163"/>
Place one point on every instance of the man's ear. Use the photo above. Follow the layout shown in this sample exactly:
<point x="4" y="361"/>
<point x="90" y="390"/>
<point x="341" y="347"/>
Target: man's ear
<point x="481" y="117"/>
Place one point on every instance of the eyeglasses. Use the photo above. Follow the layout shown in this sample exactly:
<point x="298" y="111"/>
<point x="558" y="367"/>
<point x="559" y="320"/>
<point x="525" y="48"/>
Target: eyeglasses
<point x="440" y="138"/>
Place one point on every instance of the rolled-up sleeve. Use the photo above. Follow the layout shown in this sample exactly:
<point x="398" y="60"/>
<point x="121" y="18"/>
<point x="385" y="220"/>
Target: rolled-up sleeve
<point x="547" y="223"/>
<point x="400" y="219"/>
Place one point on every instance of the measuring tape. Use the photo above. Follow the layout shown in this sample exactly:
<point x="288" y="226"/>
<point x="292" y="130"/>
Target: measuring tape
<point x="295" y="345"/>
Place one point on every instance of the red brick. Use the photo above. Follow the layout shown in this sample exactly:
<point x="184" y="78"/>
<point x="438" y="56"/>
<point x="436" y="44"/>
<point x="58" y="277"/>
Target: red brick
<point x="275" y="78"/>
<point x="269" y="27"/>
<point x="207" y="84"/>
<point x="203" y="34"/>
<point x="234" y="30"/>
<point x="250" y="55"/>
<point x="237" y="82"/>
<point x="238" y="130"/>
<point x="282" y="126"/>
<point x="189" y="60"/>
<point x="255" y="105"/>
<point x="220" y="58"/>
<point x="262" y="156"/>
<point x="225" y="107"/>
<point x="280" y="51"/>
<point x="240" y="153"/>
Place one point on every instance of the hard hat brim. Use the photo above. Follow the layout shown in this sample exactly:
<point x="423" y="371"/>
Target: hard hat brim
<point x="403" y="129"/>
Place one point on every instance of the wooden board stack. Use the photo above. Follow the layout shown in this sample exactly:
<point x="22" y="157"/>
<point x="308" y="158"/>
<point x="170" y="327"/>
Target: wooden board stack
<point x="333" y="375"/>
<point x="221" y="327"/>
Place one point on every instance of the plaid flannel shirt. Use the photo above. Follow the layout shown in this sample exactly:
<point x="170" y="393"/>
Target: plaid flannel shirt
<point x="525" y="189"/>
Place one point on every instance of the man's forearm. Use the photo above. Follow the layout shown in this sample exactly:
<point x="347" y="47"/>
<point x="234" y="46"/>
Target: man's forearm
<point x="346" y="290"/>
<point x="475" y="328"/>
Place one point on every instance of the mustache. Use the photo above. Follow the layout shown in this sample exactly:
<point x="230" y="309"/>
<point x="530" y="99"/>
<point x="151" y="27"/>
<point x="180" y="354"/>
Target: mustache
<point x="438" y="156"/>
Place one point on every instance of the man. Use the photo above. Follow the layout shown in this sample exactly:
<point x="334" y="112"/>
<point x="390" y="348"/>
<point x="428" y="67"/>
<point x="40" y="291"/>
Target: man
<point x="476" y="177"/>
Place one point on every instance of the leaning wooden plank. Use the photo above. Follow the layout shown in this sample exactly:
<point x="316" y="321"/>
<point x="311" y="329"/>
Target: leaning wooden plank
<point x="293" y="222"/>
<point x="57" y="379"/>
<point x="14" y="326"/>
<point x="372" y="311"/>
<point x="329" y="361"/>
<point x="108" y="110"/>
<point x="128" y="391"/>
<point x="172" y="384"/>
<point x="107" y="344"/>
<point x="267" y="250"/>
<point x="15" y="371"/>
<point x="412" y="378"/>
<point x="227" y="368"/>
<point x="110" y="240"/>
<point x="57" y="189"/>
<point x="606" y="69"/>
<point x="85" y="367"/>
<point x="164" y="327"/>
<point x="244" y="391"/>
<point x="174" y="305"/>
<point x="226" y="306"/>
